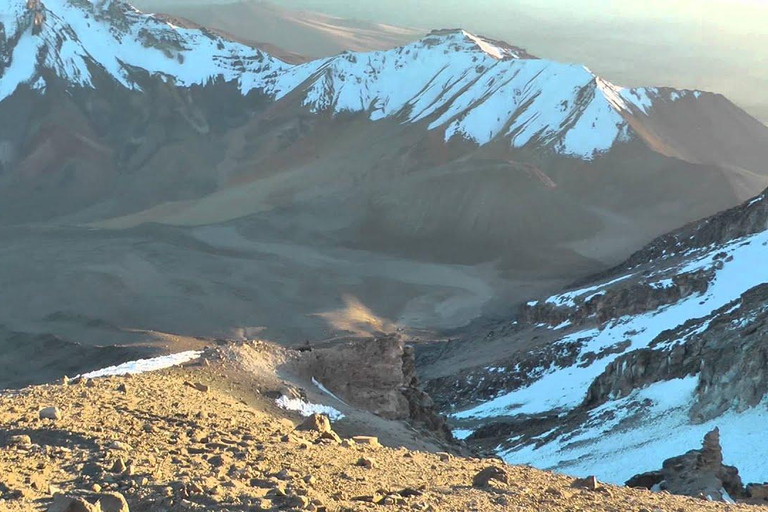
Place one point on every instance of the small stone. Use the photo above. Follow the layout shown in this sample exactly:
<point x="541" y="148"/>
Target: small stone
<point x="445" y="457"/>
<point x="589" y="482"/>
<point x="484" y="477"/>
<point x="366" y="462"/>
<point x="203" y="388"/>
<point x="119" y="466"/>
<point x="296" y="501"/>
<point x="119" y="445"/>
<point x="50" y="413"/>
<point x="330" y="436"/>
<point x="219" y="460"/>
<point x="367" y="441"/>
<point x="122" y="388"/>
<point x="20" y="441"/>
<point x="283" y="475"/>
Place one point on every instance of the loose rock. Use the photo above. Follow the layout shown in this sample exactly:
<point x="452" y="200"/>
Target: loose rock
<point x="50" y="413"/>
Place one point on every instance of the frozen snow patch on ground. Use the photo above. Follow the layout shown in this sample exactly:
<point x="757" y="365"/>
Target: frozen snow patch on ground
<point x="145" y="365"/>
<point x="325" y="390"/>
<point x="460" y="433"/>
<point x="307" y="408"/>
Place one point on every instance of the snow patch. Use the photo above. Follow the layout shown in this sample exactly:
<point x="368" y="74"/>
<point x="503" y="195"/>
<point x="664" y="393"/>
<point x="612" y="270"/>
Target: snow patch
<point x="145" y="365"/>
<point x="307" y="408"/>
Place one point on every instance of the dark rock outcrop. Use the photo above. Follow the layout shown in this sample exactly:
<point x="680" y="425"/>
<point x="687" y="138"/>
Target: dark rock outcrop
<point x="726" y="349"/>
<point x="377" y="374"/>
<point x="699" y="473"/>
<point x="630" y="298"/>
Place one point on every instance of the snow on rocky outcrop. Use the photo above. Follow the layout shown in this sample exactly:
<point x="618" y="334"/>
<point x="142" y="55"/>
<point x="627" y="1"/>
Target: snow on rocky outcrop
<point x="650" y="356"/>
<point x="465" y="86"/>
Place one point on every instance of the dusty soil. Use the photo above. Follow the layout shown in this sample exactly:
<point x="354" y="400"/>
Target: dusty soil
<point x="167" y="445"/>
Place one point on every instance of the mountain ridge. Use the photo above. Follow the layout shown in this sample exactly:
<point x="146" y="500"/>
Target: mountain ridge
<point x="562" y="106"/>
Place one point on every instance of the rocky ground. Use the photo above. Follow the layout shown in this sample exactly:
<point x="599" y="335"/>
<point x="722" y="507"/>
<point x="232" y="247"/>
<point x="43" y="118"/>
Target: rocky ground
<point x="208" y="436"/>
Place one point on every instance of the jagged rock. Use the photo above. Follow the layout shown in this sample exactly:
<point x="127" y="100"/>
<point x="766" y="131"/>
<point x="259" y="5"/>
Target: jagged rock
<point x="696" y="473"/>
<point x="118" y="466"/>
<point x="330" y="436"/>
<point x="379" y="375"/>
<point x="484" y="477"/>
<point x="647" y="480"/>
<point x="589" y="482"/>
<point x="50" y="413"/>
<point x="316" y="423"/>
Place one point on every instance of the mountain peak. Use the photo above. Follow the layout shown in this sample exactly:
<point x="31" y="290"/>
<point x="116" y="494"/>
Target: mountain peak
<point x="459" y="39"/>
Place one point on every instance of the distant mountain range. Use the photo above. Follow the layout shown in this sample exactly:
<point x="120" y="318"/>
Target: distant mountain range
<point x="291" y="34"/>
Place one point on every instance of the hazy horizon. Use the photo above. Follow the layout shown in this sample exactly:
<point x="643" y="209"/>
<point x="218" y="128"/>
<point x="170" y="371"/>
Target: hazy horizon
<point x="714" y="45"/>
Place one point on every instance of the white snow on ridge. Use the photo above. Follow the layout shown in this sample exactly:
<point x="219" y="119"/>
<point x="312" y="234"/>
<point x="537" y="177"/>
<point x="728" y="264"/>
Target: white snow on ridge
<point x="565" y="388"/>
<point x="145" y="365"/>
<point x="608" y="445"/>
<point x="568" y="298"/>
<point x="77" y="35"/>
<point x="461" y="84"/>
<point x="615" y="454"/>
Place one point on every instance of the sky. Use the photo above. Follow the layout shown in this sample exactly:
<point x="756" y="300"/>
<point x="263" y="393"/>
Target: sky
<point x="714" y="45"/>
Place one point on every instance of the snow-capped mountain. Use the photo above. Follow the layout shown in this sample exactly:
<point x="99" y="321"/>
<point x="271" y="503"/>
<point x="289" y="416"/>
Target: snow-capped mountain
<point x="640" y="362"/>
<point x="75" y="40"/>
<point x="458" y="84"/>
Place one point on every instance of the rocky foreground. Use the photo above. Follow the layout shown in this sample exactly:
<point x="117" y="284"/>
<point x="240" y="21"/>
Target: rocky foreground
<point x="202" y="437"/>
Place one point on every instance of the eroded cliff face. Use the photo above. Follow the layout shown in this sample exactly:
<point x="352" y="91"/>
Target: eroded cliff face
<point x="727" y="350"/>
<point x="376" y="374"/>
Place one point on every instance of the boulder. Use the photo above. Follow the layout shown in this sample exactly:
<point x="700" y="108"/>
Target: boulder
<point x="589" y="483"/>
<point x="484" y="477"/>
<point x="316" y="423"/>
<point x="89" y="502"/>
<point x="112" y="502"/>
<point x="758" y="491"/>
<point x="20" y="441"/>
<point x="367" y="441"/>
<point x="63" y="503"/>
<point x="50" y="413"/>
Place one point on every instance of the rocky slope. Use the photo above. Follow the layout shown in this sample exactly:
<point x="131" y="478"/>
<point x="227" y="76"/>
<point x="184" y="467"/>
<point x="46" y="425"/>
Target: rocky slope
<point x="209" y="436"/>
<point x="626" y="368"/>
